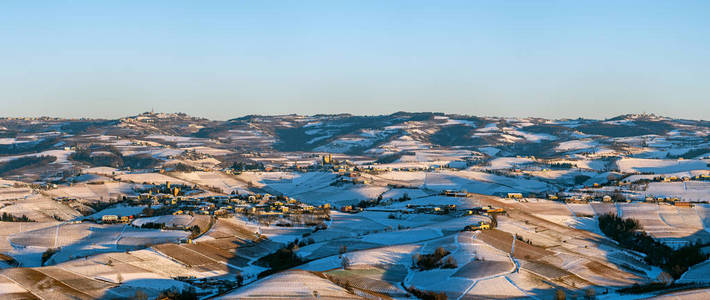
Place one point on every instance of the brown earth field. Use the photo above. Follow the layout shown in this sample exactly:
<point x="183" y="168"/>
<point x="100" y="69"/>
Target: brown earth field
<point x="503" y="241"/>
<point x="43" y="285"/>
<point x="17" y="295"/>
<point x="190" y="257"/>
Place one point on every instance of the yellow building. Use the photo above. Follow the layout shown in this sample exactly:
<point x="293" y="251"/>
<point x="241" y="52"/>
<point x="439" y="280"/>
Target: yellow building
<point x="480" y="226"/>
<point x="490" y="209"/>
<point x="109" y="218"/>
<point x="515" y="195"/>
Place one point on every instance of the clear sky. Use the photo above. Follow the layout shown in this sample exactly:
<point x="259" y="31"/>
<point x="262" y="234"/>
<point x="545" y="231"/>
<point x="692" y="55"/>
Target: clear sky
<point x="224" y="59"/>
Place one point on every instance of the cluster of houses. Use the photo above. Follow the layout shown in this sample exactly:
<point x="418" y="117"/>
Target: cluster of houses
<point x="669" y="178"/>
<point x="673" y="178"/>
<point x="324" y="163"/>
<point x="445" y="209"/>
<point x="478" y="226"/>
<point x="265" y="204"/>
<point x="183" y="199"/>
<point x="229" y="205"/>
<point x="351" y="177"/>
<point x="113" y="219"/>
<point x="586" y="198"/>
<point x="668" y="200"/>
<point x="451" y="193"/>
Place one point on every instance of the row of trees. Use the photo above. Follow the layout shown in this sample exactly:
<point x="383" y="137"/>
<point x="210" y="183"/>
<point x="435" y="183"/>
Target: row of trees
<point x="11" y="218"/>
<point x="47" y="254"/>
<point x="112" y="158"/>
<point x="28" y="147"/>
<point x="280" y="260"/>
<point x="379" y="200"/>
<point x="248" y="166"/>
<point x="25" y="161"/>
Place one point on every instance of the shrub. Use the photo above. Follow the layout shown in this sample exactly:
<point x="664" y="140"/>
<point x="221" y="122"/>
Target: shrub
<point x="426" y="295"/>
<point x="11" y="218"/>
<point x="175" y="294"/>
<point x="48" y="253"/>
<point x="579" y="179"/>
<point x="430" y="261"/>
<point x="195" y="231"/>
<point x="345" y="262"/>
<point x="450" y="263"/>
<point x="560" y="295"/>
<point x="282" y="259"/>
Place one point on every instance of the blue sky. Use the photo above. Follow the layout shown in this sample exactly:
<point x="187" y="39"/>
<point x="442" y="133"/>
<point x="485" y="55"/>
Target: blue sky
<point x="223" y="59"/>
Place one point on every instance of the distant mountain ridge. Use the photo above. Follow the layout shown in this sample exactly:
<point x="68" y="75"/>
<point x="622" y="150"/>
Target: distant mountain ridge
<point x="378" y="134"/>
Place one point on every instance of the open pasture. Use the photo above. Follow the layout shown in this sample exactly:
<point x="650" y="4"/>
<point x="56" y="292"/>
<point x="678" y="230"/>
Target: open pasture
<point x="40" y="208"/>
<point x="291" y="285"/>
<point x="150" y="178"/>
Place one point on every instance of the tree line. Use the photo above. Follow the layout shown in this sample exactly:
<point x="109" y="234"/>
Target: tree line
<point x="11" y="218"/>
<point x="25" y="161"/>
<point x="628" y="232"/>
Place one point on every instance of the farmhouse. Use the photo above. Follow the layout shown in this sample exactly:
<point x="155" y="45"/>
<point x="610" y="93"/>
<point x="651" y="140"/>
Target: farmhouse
<point x="109" y="218"/>
<point x="515" y="195"/>
<point x="490" y="209"/>
<point x="480" y="226"/>
<point x="455" y="193"/>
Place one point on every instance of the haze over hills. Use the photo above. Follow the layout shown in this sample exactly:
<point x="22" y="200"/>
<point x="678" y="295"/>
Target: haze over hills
<point x="343" y="206"/>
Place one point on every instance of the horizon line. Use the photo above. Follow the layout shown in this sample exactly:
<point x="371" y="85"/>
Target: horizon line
<point x="351" y="114"/>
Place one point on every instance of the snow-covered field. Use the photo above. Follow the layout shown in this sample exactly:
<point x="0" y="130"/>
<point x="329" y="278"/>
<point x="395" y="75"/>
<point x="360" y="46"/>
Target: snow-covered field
<point x="219" y="180"/>
<point x="291" y="284"/>
<point x="94" y="192"/>
<point x="151" y="178"/>
<point x="687" y="190"/>
<point x="78" y="240"/>
<point x="169" y="220"/>
<point x="660" y="166"/>
<point x="576" y="145"/>
<point x="40" y="208"/>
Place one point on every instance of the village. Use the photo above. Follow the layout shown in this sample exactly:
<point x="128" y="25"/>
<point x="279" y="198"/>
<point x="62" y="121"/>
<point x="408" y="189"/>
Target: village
<point x="233" y="213"/>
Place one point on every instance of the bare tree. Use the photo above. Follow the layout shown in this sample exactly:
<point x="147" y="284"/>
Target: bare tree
<point x="140" y="295"/>
<point x="345" y="262"/>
